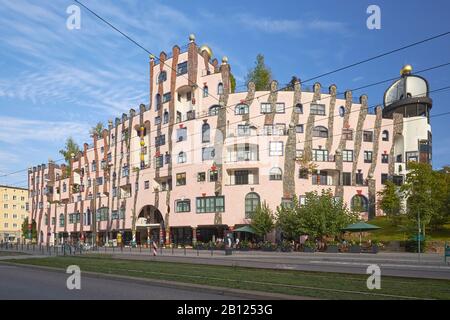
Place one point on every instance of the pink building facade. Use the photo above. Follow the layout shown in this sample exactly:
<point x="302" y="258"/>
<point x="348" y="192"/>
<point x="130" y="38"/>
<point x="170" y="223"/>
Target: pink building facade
<point x="196" y="161"/>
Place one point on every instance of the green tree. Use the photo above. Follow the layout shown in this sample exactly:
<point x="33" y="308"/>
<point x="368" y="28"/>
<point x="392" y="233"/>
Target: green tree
<point x="232" y="83"/>
<point x="263" y="220"/>
<point x="323" y="215"/>
<point x="288" y="219"/>
<point x="291" y="85"/>
<point x="261" y="75"/>
<point x="97" y="131"/>
<point x="71" y="148"/>
<point x="390" y="201"/>
<point x="25" y="229"/>
<point x="425" y="191"/>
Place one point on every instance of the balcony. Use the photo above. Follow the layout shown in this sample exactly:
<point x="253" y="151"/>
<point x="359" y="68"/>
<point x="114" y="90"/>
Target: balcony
<point x="248" y="176"/>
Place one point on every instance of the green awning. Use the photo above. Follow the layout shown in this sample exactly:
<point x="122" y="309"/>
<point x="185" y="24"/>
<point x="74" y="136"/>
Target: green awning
<point x="360" y="227"/>
<point x="245" y="229"/>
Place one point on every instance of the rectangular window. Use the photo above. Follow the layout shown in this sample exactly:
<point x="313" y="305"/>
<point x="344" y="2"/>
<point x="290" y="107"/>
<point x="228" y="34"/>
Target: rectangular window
<point x="99" y="181"/>
<point x="182" y="205"/>
<point x="280" y="129"/>
<point x="347" y="155"/>
<point x="125" y="171"/>
<point x="268" y="130"/>
<point x="346" y="178"/>
<point x="211" y="204"/>
<point x="299" y="154"/>
<point x="182" y="68"/>
<point x="266" y="108"/>
<point x="320" y="179"/>
<point x="201" y="177"/>
<point x="157" y="120"/>
<point x="320" y="155"/>
<point x="280" y="107"/>
<point x="299" y="128"/>
<point x="167" y="97"/>
<point x="243" y="130"/>
<point x="384" y="158"/>
<point x="275" y="148"/>
<point x="359" y="179"/>
<point x="181" y="179"/>
<point x="147" y="184"/>
<point x="160" y="140"/>
<point x="347" y="134"/>
<point x="94" y="166"/>
<point x="318" y="109"/>
<point x="368" y="156"/>
<point x="213" y="175"/>
<point x="241" y="177"/>
<point x="303" y="173"/>
<point x="181" y="134"/>
<point x="159" y="162"/>
<point x="368" y="136"/>
<point x="208" y="153"/>
<point x="397" y="180"/>
<point x="384" y="178"/>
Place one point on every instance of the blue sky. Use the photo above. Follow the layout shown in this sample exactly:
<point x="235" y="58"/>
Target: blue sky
<point x="56" y="83"/>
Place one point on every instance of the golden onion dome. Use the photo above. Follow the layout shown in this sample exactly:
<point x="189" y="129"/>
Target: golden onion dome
<point x="406" y="69"/>
<point x="208" y="50"/>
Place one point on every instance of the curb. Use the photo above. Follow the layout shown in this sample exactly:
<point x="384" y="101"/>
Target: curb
<point x="238" y="293"/>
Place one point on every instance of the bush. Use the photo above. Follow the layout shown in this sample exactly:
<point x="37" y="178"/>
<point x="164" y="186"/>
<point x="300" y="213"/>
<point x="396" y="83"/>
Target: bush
<point x="286" y="246"/>
<point x="267" y="246"/>
<point x="310" y="244"/>
<point x="244" y="245"/>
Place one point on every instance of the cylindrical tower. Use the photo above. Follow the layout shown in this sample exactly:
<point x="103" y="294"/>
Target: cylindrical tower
<point x="407" y="101"/>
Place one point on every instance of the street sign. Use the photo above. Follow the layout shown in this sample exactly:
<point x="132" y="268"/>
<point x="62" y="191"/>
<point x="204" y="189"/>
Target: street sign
<point x="419" y="237"/>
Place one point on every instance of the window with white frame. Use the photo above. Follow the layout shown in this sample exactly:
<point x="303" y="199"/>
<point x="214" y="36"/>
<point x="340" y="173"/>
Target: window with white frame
<point x="275" y="148"/>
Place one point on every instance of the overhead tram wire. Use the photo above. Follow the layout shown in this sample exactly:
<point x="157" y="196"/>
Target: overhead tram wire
<point x="138" y="44"/>
<point x="259" y="115"/>
<point x="289" y="85"/>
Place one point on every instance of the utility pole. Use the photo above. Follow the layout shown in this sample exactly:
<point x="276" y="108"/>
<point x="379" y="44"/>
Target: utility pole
<point x="418" y="236"/>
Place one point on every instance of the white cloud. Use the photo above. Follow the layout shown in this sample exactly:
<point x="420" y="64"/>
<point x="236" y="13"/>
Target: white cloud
<point x="295" y="27"/>
<point x="17" y="130"/>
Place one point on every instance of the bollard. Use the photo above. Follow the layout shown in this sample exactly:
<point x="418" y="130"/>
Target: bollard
<point x="161" y="250"/>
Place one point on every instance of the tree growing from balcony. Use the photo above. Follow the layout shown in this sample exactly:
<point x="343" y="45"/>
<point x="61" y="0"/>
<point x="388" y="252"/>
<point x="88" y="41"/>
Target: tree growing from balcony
<point x="232" y="83"/>
<point x="262" y="220"/>
<point x="261" y="75"/>
<point x="70" y="149"/>
<point x="97" y="131"/>
<point x="391" y="201"/>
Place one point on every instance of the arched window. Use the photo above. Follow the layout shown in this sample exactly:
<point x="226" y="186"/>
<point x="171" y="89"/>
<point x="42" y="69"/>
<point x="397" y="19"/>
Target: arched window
<point x="214" y="110"/>
<point x="341" y="111"/>
<point x="61" y="220"/>
<point x="299" y="108"/>
<point x="205" y="91"/>
<point x="320" y="131"/>
<point x="241" y="109"/>
<point x="385" y="135"/>
<point x="162" y="77"/>
<point x="157" y="101"/>
<point x="360" y="203"/>
<point x="205" y="132"/>
<point x="252" y="201"/>
<point x="182" y="157"/>
<point x="275" y="174"/>
<point x="165" y="117"/>
<point x="220" y="88"/>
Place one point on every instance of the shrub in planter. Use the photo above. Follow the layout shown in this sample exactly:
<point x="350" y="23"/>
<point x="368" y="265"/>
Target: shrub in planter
<point x="286" y="246"/>
<point x="332" y="247"/>
<point x="244" y="246"/>
<point x="354" y="247"/>
<point x="268" y="246"/>
<point x="309" y="246"/>
<point x="219" y="246"/>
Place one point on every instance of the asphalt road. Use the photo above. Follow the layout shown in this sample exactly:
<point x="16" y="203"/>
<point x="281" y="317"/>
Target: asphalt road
<point x="430" y="266"/>
<point x="26" y="283"/>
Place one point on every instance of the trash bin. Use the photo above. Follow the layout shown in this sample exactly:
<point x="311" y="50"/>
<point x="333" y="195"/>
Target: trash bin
<point x="228" y="251"/>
